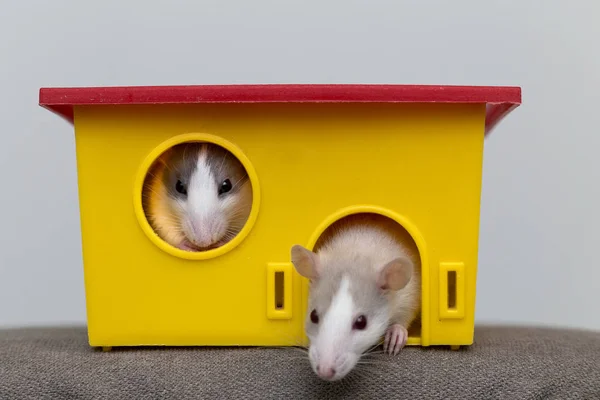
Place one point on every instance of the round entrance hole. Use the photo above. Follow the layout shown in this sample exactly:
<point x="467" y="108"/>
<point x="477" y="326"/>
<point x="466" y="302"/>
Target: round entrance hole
<point x="197" y="196"/>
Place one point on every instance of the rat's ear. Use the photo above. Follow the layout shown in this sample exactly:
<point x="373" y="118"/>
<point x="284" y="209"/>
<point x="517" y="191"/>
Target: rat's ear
<point x="395" y="274"/>
<point x="305" y="261"/>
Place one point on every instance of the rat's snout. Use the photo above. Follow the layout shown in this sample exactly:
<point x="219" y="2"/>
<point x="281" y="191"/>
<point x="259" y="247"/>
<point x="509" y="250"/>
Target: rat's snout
<point x="203" y="235"/>
<point x="206" y="231"/>
<point x="328" y="366"/>
<point x="326" y="372"/>
<point x="331" y="365"/>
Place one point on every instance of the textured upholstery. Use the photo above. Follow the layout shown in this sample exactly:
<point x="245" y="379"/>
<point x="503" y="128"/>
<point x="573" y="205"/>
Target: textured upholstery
<point x="504" y="363"/>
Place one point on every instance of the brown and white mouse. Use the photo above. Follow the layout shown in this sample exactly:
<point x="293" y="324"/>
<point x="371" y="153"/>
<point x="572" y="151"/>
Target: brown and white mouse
<point x="197" y="196"/>
<point x="364" y="284"/>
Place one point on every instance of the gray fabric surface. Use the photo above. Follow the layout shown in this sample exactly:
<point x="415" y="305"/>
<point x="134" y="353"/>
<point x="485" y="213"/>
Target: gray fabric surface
<point x="505" y="363"/>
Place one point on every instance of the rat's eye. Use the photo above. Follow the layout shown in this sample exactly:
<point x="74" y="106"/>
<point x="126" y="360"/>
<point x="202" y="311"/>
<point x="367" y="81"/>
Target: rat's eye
<point x="360" y="323"/>
<point x="225" y="186"/>
<point x="314" y="318"/>
<point x="180" y="187"/>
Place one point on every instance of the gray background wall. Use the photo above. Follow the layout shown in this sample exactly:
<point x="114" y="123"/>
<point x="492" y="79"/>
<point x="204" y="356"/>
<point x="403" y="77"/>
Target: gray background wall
<point x="539" y="227"/>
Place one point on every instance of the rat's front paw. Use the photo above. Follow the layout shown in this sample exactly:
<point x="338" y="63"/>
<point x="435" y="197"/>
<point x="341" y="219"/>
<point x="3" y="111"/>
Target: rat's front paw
<point x="395" y="339"/>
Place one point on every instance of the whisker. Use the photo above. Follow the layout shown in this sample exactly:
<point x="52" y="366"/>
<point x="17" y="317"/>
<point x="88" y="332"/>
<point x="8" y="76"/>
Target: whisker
<point x="223" y="162"/>
<point x="374" y="362"/>
<point x="185" y="149"/>
<point x="375" y="351"/>
<point x="239" y="180"/>
<point x="372" y="348"/>
<point x="149" y="189"/>
<point x="164" y="164"/>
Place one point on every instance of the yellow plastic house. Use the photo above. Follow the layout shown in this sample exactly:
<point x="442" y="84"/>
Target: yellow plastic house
<point x="314" y="154"/>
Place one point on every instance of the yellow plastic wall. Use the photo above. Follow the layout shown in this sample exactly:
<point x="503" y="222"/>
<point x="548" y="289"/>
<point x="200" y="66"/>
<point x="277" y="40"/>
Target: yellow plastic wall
<point x="420" y="163"/>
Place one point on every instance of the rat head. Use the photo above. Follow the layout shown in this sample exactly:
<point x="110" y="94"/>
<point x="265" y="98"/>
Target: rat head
<point x="348" y="307"/>
<point x="209" y="193"/>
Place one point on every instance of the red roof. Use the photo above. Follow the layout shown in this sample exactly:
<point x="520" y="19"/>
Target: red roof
<point x="500" y="99"/>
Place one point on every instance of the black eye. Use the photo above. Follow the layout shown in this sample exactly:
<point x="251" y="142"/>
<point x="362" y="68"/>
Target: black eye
<point x="225" y="186"/>
<point x="314" y="318"/>
<point x="180" y="187"/>
<point x="360" y="323"/>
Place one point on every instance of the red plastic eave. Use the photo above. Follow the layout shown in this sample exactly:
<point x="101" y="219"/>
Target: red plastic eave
<point x="500" y="100"/>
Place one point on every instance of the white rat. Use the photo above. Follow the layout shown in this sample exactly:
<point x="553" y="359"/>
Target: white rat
<point x="197" y="196"/>
<point x="364" y="283"/>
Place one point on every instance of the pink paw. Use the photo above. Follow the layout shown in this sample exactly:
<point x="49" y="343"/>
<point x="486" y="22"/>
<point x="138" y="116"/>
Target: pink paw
<point x="395" y="339"/>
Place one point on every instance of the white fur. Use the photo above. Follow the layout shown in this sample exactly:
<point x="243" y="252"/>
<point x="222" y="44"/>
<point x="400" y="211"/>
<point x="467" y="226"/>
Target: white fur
<point x="340" y="312"/>
<point x="326" y="349"/>
<point x="205" y="223"/>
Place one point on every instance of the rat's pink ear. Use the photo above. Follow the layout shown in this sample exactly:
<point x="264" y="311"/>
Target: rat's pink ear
<point x="395" y="274"/>
<point x="305" y="261"/>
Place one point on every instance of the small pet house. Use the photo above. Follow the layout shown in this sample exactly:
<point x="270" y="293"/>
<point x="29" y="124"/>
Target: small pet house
<point x="314" y="154"/>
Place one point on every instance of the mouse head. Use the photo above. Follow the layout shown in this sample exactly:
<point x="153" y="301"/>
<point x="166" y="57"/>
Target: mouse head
<point x="209" y="192"/>
<point x="348" y="310"/>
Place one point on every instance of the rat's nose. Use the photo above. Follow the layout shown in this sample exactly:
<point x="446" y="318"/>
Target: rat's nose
<point x="325" y="372"/>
